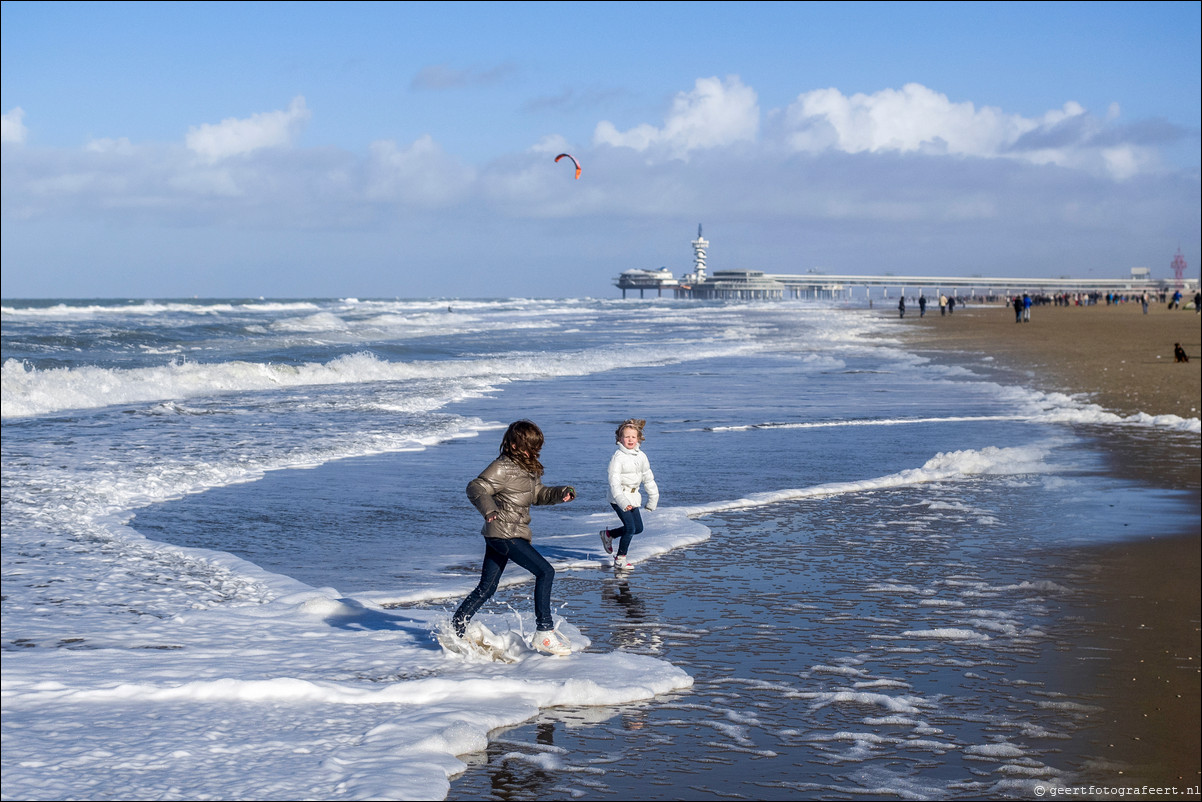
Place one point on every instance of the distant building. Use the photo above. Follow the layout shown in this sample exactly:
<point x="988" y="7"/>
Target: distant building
<point x="643" y="280"/>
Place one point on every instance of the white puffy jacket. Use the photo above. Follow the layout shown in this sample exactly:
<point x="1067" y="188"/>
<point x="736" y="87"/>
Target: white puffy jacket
<point x="627" y="470"/>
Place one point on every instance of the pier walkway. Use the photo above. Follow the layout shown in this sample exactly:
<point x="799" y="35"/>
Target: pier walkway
<point x="757" y="285"/>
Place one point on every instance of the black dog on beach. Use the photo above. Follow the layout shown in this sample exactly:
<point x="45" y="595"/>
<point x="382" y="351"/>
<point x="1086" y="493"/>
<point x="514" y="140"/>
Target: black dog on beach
<point x="1179" y="353"/>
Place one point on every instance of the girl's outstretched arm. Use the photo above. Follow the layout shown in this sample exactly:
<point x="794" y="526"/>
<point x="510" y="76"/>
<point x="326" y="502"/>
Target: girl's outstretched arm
<point x="557" y="494"/>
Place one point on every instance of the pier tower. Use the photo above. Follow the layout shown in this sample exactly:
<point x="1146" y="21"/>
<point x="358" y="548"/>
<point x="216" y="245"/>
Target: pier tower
<point x="699" y="246"/>
<point x="1179" y="267"/>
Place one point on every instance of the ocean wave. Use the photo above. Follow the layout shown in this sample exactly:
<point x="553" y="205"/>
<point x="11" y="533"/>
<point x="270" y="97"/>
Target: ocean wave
<point x="1093" y="414"/>
<point x="945" y="466"/>
<point x="1038" y="407"/>
<point x="29" y="391"/>
<point x="862" y="422"/>
<point x="69" y="311"/>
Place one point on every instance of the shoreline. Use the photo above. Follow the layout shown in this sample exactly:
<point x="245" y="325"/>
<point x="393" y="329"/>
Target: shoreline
<point x="1143" y="596"/>
<point x="1119" y="357"/>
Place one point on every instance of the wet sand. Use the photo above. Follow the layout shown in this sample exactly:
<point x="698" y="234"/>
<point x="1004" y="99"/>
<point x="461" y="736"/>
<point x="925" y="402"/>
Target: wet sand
<point x="1145" y="602"/>
<point x="1120" y="357"/>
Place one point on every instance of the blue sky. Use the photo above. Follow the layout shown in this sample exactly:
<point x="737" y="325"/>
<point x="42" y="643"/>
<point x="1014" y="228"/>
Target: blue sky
<point x="406" y="149"/>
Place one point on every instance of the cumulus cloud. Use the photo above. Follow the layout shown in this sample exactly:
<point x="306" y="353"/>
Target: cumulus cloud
<point x="916" y="119"/>
<point x="715" y="114"/>
<point x="897" y="157"/>
<point x="120" y="145"/>
<point x="913" y="118"/>
<point x="552" y="143"/>
<point x="12" y="127"/>
<point x="421" y="173"/>
<point x="234" y="137"/>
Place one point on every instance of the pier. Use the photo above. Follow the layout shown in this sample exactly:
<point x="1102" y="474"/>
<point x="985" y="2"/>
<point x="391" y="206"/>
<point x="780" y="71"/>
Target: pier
<point x="758" y="285"/>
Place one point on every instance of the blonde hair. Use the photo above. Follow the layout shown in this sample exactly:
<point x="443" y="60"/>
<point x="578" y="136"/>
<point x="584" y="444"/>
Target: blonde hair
<point x="630" y="423"/>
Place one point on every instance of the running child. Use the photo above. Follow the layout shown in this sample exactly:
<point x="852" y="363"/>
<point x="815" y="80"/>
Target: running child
<point x="628" y="468"/>
<point x="503" y="493"/>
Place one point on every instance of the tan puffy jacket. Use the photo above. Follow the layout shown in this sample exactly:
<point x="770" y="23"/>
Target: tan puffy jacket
<point x="508" y="489"/>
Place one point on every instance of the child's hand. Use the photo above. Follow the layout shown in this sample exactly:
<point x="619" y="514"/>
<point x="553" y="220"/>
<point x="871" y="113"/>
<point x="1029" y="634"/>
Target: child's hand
<point x="569" y="494"/>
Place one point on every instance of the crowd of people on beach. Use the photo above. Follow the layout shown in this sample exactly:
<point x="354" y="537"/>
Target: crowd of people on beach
<point x="1172" y="300"/>
<point x="947" y="305"/>
<point x="1022" y="303"/>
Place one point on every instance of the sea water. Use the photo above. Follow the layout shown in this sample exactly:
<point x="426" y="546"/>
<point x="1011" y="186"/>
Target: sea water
<point x="231" y="527"/>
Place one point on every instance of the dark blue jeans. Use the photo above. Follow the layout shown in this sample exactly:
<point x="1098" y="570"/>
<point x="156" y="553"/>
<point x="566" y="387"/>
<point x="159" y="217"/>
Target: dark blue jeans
<point x="632" y="524"/>
<point x="497" y="554"/>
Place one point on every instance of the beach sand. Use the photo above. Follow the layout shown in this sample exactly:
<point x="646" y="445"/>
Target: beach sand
<point x="1144" y="595"/>
<point x="1120" y="357"/>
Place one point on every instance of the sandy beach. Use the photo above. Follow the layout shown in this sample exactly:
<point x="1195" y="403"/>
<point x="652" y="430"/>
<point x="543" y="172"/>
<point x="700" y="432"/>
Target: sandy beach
<point x="1145" y="597"/>
<point x="1120" y="357"/>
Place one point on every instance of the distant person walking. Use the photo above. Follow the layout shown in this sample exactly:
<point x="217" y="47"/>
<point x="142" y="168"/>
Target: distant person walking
<point x="922" y="305"/>
<point x="951" y="305"/>
<point x="1143" y="299"/>
<point x="1017" y="303"/>
<point x="901" y="307"/>
<point x="942" y="304"/>
<point x="1026" y="308"/>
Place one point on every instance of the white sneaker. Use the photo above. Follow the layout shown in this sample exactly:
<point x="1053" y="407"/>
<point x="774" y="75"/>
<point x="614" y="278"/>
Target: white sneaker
<point x="607" y="542"/>
<point x="551" y="642"/>
<point x="622" y="562"/>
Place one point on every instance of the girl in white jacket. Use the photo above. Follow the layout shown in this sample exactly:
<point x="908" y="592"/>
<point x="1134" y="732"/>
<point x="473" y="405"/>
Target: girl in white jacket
<point x="628" y="468"/>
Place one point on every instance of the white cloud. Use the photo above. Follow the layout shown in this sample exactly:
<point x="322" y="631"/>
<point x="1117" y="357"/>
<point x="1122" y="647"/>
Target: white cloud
<point x="233" y="137"/>
<point x="913" y="118"/>
<point x="864" y="163"/>
<point x="715" y="114"/>
<point x="121" y="145"/>
<point x="552" y="143"/>
<point x="1123" y="162"/>
<point x="12" y="127"/>
<point x="916" y="119"/>
<point x="421" y="173"/>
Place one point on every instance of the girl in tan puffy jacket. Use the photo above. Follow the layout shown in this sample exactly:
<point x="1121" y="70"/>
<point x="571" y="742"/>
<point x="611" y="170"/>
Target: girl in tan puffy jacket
<point x="504" y="493"/>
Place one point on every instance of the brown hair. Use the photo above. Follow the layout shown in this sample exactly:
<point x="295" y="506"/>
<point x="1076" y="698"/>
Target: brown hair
<point x="522" y="442"/>
<point x="630" y="423"/>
